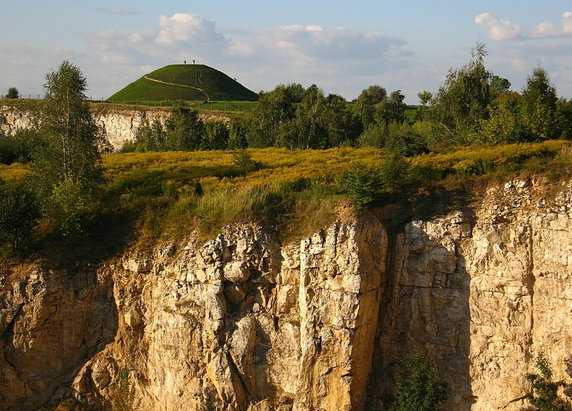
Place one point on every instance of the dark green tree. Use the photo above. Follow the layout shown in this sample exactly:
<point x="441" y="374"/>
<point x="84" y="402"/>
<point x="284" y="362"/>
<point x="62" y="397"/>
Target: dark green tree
<point x="148" y="137"/>
<point x="237" y="134"/>
<point x="461" y="103"/>
<point x="364" y="106"/>
<point x="343" y="127"/>
<point x="216" y="135"/>
<point x="499" y="85"/>
<point x="19" y="212"/>
<point x="539" y="107"/>
<point x="543" y="394"/>
<point x="565" y="118"/>
<point x="13" y="93"/>
<point x="184" y="130"/>
<point x="503" y="124"/>
<point x="392" y="109"/>
<point x="67" y="163"/>
<point x="363" y="185"/>
<point x="421" y="389"/>
<point x="69" y="135"/>
<point x="308" y="127"/>
<point x="274" y="110"/>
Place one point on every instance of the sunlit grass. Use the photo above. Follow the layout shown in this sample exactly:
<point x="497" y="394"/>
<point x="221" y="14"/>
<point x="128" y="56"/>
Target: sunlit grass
<point x="169" y="194"/>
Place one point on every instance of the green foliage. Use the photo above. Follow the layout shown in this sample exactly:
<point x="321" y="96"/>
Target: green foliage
<point x="184" y="130"/>
<point x="564" y="108"/>
<point x="461" y="103"/>
<point x="67" y="164"/>
<point x="69" y="136"/>
<point x="393" y="172"/>
<point x="73" y="209"/>
<point x="243" y="160"/>
<point x="148" y="137"/>
<point x="503" y="124"/>
<point x="19" y="212"/>
<point x="364" y="106"/>
<point x="421" y="389"/>
<point x="188" y="82"/>
<point x="13" y="93"/>
<point x="539" y="107"/>
<point x="543" y="394"/>
<point x="216" y="135"/>
<point x="18" y="148"/>
<point x="237" y="133"/>
<point x="364" y="185"/>
<point x="124" y="401"/>
<point x="275" y="109"/>
<point x="392" y="109"/>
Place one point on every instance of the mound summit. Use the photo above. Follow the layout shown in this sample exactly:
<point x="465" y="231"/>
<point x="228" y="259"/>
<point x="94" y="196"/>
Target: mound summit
<point x="184" y="82"/>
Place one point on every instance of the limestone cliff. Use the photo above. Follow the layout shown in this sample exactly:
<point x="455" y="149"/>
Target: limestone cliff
<point x="243" y="322"/>
<point x="117" y="125"/>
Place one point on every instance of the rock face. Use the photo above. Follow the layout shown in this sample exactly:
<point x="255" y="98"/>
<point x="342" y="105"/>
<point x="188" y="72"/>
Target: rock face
<point x="118" y="125"/>
<point x="245" y="323"/>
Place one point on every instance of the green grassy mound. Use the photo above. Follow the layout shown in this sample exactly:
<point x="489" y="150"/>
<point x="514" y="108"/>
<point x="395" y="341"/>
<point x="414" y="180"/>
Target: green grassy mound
<point x="190" y="82"/>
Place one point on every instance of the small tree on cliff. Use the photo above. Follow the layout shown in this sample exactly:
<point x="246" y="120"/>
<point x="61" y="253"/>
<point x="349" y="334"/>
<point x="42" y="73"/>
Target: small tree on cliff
<point x="543" y="394"/>
<point x="421" y="389"/>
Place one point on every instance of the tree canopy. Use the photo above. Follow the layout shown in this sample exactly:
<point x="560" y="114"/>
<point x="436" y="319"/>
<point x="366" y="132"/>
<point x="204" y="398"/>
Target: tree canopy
<point x="70" y="137"/>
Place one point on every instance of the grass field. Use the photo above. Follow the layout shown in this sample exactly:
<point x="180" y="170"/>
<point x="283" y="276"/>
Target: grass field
<point x="294" y="191"/>
<point x="187" y="82"/>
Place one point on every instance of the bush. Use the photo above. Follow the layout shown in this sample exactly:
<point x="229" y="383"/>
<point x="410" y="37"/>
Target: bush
<point x="19" y="212"/>
<point x="393" y="172"/>
<point x="364" y="185"/>
<point x="73" y="208"/>
<point x="18" y="148"/>
<point x="13" y="93"/>
<point x="421" y="389"/>
<point x="543" y="392"/>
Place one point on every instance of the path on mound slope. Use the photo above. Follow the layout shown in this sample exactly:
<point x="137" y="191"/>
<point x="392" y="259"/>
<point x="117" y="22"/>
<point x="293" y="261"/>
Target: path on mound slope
<point x="200" y="90"/>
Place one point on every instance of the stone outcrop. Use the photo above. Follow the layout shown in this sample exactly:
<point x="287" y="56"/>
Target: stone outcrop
<point x="117" y="125"/>
<point x="243" y="322"/>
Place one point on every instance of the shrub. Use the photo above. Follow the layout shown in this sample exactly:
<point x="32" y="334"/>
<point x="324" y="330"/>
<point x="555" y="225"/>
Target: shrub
<point x="13" y="93"/>
<point x="73" y="208"/>
<point x="363" y="185"/>
<point x="393" y="172"/>
<point x="18" y="148"/>
<point x="543" y="392"/>
<point x="19" y="212"/>
<point x="421" y="389"/>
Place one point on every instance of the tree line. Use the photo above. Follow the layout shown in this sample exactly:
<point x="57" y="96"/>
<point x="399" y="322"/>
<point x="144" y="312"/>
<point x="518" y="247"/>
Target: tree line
<point x="473" y="106"/>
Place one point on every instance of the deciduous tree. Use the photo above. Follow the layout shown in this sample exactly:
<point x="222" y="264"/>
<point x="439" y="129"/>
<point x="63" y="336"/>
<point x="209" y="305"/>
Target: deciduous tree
<point x="70" y="137"/>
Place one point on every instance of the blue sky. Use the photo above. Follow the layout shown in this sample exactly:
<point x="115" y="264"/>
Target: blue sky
<point x="343" y="47"/>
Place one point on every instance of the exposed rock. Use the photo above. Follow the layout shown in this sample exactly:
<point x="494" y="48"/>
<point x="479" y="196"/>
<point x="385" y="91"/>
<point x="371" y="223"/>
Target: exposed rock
<point x="243" y="322"/>
<point x="117" y="125"/>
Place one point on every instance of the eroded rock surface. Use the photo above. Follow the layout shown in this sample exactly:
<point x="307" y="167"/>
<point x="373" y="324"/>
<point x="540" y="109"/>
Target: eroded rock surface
<point x="245" y="323"/>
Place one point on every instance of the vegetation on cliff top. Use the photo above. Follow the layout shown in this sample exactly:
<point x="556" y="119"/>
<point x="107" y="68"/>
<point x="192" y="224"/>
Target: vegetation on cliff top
<point x="369" y="152"/>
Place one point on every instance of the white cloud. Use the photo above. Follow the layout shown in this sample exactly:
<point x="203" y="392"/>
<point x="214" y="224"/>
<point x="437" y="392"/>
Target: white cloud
<point x="547" y="29"/>
<point x="498" y="29"/>
<point x="260" y="59"/>
<point x="567" y="22"/>
<point x="182" y="27"/>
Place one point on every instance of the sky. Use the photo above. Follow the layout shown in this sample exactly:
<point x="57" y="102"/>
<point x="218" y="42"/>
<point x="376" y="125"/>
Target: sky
<point x="341" y="46"/>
